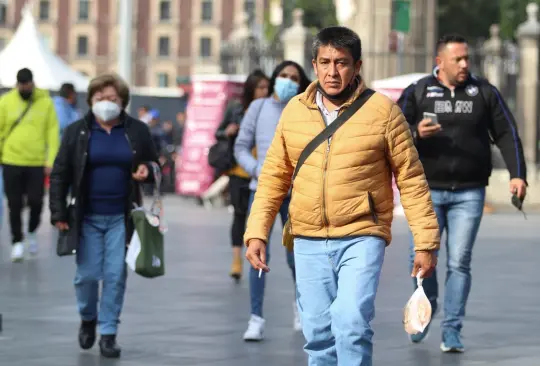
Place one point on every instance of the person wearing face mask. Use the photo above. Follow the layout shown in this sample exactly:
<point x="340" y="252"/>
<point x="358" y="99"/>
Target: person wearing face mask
<point x="342" y="200"/>
<point x="29" y="140"/>
<point x="257" y="130"/>
<point x="103" y="159"/>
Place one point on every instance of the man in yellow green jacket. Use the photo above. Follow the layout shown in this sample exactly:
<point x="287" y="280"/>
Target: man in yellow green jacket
<point x="29" y="141"/>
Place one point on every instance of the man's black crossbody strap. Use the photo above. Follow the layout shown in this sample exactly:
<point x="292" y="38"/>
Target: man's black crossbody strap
<point x="332" y="128"/>
<point x="18" y="120"/>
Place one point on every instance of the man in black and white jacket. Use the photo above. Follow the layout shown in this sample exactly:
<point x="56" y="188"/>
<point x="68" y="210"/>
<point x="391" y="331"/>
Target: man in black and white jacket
<point x="455" y="150"/>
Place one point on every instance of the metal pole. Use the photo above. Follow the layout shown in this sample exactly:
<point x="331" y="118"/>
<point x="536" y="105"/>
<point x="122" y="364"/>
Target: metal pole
<point x="125" y="40"/>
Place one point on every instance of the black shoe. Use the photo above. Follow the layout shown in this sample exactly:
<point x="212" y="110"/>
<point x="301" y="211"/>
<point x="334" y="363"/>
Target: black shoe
<point x="108" y="346"/>
<point x="87" y="334"/>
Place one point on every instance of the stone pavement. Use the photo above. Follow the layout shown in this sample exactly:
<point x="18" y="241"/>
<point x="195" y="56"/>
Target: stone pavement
<point x="195" y="316"/>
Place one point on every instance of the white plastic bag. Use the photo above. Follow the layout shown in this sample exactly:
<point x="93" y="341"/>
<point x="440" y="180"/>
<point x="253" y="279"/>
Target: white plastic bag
<point x="417" y="312"/>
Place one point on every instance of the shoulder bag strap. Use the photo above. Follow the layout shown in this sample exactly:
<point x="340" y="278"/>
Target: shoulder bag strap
<point x="18" y="120"/>
<point x="157" y="204"/>
<point x="256" y="120"/>
<point x="332" y="128"/>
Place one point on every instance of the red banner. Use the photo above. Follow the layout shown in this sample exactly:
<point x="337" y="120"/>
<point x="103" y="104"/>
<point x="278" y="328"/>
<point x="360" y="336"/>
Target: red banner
<point x="206" y="107"/>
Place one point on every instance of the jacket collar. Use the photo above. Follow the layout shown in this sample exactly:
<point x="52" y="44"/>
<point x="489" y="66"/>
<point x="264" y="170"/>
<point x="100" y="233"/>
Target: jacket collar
<point x="308" y="97"/>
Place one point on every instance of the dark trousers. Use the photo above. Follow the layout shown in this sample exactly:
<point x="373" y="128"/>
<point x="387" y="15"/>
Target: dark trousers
<point x="239" y="192"/>
<point x="22" y="182"/>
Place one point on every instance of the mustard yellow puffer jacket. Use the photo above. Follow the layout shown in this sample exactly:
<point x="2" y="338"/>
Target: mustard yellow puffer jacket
<point x="344" y="188"/>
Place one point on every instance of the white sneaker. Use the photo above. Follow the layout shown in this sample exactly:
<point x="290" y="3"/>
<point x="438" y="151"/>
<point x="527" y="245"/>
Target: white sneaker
<point x="297" y="324"/>
<point x="17" y="252"/>
<point x="255" y="330"/>
<point x="32" y="243"/>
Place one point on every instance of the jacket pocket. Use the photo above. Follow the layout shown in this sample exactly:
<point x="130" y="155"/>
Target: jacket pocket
<point x="372" y="208"/>
<point x="354" y="209"/>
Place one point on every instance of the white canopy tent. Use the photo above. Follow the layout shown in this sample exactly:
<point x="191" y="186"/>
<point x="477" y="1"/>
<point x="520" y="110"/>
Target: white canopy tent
<point x="28" y="49"/>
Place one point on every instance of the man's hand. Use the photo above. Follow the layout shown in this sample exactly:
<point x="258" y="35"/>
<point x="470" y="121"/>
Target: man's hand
<point x="256" y="254"/>
<point x="425" y="130"/>
<point x="424" y="261"/>
<point x="62" y="226"/>
<point x="519" y="187"/>
<point x="47" y="171"/>
<point x="141" y="174"/>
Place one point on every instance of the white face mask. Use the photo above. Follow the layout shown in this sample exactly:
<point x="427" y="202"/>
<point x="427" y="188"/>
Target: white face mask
<point x="106" y="110"/>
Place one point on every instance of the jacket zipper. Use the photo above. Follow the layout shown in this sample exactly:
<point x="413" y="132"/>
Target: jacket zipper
<point x="453" y="161"/>
<point x="324" y="216"/>
<point x="85" y="132"/>
<point x="131" y="149"/>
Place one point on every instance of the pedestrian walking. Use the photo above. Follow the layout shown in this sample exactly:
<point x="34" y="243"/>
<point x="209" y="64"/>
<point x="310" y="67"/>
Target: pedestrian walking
<point x="255" y="87"/>
<point x="342" y="203"/>
<point x="257" y="130"/>
<point x="103" y="159"/>
<point x="29" y="139"/>
<point x="455" y="116"/>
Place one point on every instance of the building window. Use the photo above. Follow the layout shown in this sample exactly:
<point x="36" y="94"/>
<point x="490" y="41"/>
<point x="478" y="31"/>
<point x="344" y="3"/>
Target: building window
<point x="164" y="10"/>
<point x="84" y="10"/>
<point x="249" y="9"/>
<point x="206" y="47"/>
<point x="206" y="12"/>
<point x="163" y="80"/>
<point x="44" y="6"/>
<point x="3" y="13"/>
<point x="82" y="45"/>
<point x="163" y="45"/>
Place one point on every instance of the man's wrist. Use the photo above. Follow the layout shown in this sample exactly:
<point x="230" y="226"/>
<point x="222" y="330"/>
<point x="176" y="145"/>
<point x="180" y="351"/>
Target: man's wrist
<point x="249" y="241"/>
<point x="424" y="250"/>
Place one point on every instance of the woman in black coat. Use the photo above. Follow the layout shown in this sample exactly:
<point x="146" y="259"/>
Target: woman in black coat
<point x="102" y="160"/>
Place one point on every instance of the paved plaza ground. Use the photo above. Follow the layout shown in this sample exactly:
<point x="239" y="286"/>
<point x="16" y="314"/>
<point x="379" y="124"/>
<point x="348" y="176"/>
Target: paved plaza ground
<point x="195" y="316"/>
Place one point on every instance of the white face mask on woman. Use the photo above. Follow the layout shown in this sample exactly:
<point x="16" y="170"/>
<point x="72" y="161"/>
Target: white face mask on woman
<point x="106" y="110"/>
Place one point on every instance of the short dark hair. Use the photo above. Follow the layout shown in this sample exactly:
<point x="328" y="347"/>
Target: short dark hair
<point x="66" y="90"/>
<point x="449" y="38"/>
<point x="338" y="37"/>
<point x="24" y="76"/>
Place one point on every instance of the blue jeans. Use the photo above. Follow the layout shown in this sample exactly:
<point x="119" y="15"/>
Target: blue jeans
<point x="256" y="284"/>
<point x="337" y="281"/>
<point x="101" y="256"/>
<point x="459" y="213"/>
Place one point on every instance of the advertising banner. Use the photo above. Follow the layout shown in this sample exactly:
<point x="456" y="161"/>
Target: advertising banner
<point x="205" y="110"/>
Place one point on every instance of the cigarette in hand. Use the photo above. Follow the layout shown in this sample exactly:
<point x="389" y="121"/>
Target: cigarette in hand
<point x="260" y="273"/>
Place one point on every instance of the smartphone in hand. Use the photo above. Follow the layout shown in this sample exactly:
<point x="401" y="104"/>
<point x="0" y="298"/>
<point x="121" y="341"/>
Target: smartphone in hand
<point x="433" y="117"/>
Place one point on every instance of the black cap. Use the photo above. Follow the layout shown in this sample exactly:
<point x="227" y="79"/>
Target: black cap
<point x="24" y="76"/>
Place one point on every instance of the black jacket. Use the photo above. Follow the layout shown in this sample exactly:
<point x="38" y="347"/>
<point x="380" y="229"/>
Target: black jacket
<point x="472" y="116"/>
<point x="69" y="170"/>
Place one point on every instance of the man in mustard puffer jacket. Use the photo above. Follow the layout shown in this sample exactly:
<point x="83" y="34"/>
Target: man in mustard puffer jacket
<point x="342" y="202"/>
<point x="29" y="140"/>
